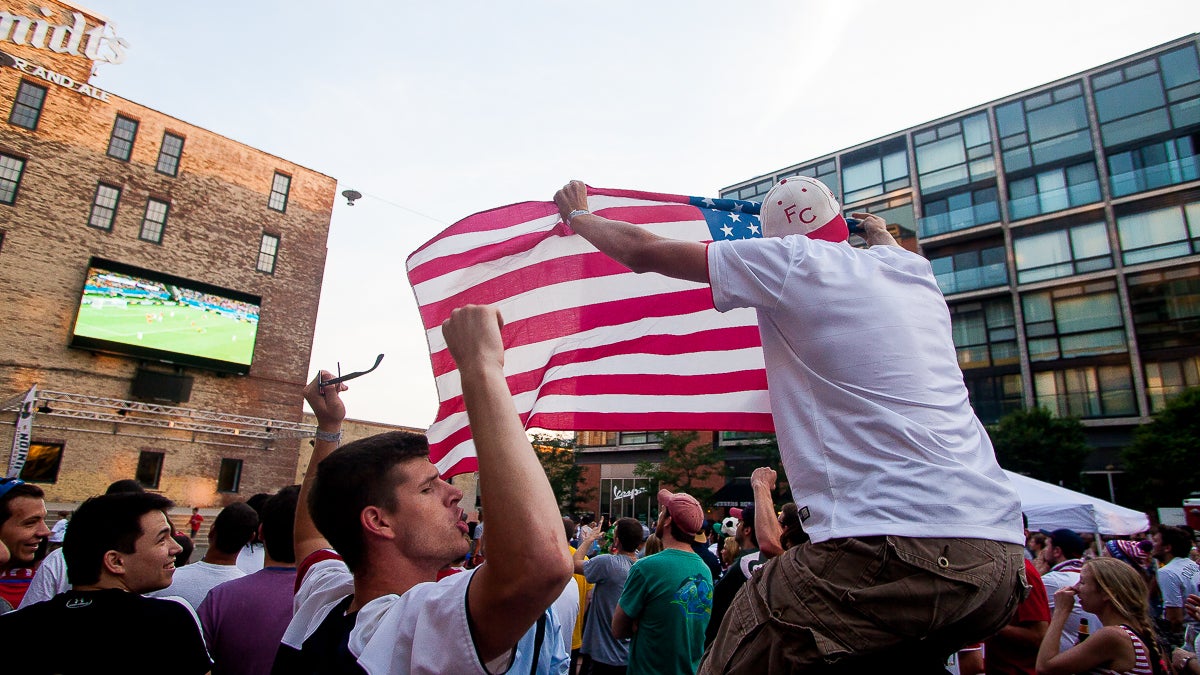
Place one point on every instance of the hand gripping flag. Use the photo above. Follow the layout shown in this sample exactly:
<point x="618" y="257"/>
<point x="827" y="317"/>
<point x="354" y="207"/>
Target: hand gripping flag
<point x="589" y="344"/>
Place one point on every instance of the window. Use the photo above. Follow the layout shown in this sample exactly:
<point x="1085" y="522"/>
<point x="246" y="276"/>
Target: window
<point x="169" y="154"/>
<point x="1104" y="391"/>
<point x="1044" y="128"/>
<point x="901" y="222"/>
<point x="638" y="437"/>
<point x="279" y="192"/>
<point x="1166" y="310"/>
<point x="268" y="249"/>
<point x="1149" y="97"/>
<point x="1074" y="321"/>
<point x="826" y="172"/>
<point x="752" y="191"/>
<point x="875" y="170"/>
<point x="995" y="396"/>
<point x="1161" y="234"/>
<point x="230" y="478"/>
<point x="155" y="221"/>
<point x="1152" y="166"/>
<point x="27" y="107"/>
<point x="960" y="211"/>
<point x="1053" y="190"/>
<point x="985" y="334"/>
<point x="149" y="468"/>
<point x="627" y="498"/>
<point x="120" y="144"/>
<point x="595" y="438"/>
<point x="11" y="170"/>
<point x="954" y="154"/>
<point x="970" y="270"/>
<point x="1076" y="250"/>
<point x="104" y="206"/>
<point x="41" y="465"/>
<point x="1165" y="379"/>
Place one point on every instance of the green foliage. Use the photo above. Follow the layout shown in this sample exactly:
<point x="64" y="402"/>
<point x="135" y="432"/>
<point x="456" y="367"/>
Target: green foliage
<point x="557" y="456"/>
<point x="1161" y="464"/>
<point x="684" y="469"/>
<point x="1036" y="443"/>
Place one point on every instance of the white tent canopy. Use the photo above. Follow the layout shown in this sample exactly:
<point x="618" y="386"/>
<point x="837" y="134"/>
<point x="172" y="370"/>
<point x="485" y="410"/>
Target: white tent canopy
<point x="1050" y="507"/>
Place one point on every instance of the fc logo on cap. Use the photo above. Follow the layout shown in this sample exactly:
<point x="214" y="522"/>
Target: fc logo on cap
<point x="791" y="211"/>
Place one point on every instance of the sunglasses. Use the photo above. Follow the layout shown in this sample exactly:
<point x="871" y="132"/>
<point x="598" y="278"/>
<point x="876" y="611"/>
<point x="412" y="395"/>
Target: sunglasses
<point x="345" y="378"/>
<point x="7" y="484"/>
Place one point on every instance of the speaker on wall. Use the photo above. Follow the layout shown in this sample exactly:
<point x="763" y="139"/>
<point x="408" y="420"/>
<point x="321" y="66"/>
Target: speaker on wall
<point x="149" y="385"/>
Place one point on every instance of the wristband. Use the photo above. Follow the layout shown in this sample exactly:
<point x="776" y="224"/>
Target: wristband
<point x="577" y="212"/>
<point x="329" y="436"/>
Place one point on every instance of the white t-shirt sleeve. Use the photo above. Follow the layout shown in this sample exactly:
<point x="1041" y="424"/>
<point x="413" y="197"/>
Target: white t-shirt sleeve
<point x="751" y="272"/>
<point x="49" y="580"/>
<point x="1171" y="585"/>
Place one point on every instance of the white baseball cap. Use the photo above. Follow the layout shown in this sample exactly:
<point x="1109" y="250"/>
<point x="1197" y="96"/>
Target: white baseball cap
<point x="803" y="205"/>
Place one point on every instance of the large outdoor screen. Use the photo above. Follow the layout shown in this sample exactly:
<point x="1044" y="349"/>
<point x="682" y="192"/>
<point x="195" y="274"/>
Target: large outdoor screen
<point x="155" y="316"/>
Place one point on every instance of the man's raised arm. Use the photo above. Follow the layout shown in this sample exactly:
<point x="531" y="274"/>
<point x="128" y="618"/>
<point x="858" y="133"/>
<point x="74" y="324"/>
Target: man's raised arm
<point x="527" y="563"/>
<point x="327" y="405"/>
<point x="634" y="247"/>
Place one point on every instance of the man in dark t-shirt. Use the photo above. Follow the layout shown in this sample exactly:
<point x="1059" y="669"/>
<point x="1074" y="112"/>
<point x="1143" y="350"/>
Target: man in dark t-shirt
<point x="118" y="547"/>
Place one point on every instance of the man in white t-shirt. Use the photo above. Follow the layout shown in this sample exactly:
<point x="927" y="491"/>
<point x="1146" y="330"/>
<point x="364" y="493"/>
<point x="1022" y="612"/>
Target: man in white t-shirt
<point x="1064" y="553"/>
<point x="893" y="474"/>
<point x="372" y="603"/>
<point x="1178" y="577"/>
<point x="231" y="530"/>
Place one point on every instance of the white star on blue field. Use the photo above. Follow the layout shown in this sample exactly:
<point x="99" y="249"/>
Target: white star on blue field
<point x="729" y="218"/>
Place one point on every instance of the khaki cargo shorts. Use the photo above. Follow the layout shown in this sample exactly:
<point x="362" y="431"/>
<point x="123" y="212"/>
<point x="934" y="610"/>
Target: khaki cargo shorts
<point x="844" y="599"/>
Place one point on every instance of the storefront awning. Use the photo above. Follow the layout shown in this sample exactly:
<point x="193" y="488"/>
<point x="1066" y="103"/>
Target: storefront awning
<point x="735" y="493"/>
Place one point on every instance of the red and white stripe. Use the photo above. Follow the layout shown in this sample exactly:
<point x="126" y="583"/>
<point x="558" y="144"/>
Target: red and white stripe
<point x="589" y="344"/>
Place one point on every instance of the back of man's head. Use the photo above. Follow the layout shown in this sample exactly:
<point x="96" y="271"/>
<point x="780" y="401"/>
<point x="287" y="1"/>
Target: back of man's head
<point x="569" y="527"/>
<point x="103" y="524"/>
<point x="278" y="518"/>
<point x="746" y="521"/>
<point x="355" y="476"/>
<point x="13" y="489"/>
<point x="124" y="485"/>
<point x="1177" y="538"/>
<point x="233" y="528"/>
<point x="629" y="535"/>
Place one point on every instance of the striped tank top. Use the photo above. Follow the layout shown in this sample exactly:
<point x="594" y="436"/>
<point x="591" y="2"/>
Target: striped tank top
<point x="1141" y="659"/>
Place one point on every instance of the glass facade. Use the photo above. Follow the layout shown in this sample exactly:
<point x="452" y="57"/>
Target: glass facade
<point x="1062" y="253"/>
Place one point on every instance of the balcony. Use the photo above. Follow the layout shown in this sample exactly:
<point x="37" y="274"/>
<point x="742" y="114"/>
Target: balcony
<point x="1053" y="200"/>
<point x="1171" y="172"/>
<point x="972" y="279"/>
<point x="959" y="219"/>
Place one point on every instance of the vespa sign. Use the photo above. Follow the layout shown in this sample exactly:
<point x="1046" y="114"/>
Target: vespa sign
<point x="73" y="36"/>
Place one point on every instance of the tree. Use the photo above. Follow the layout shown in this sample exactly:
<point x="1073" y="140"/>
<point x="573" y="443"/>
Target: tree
<point x="682" y="468"/>
<point x="766" y="453"/>
<point x="557" y="456"/>
<point x="1036" y="443"/>
<point x="1160" y="465"/>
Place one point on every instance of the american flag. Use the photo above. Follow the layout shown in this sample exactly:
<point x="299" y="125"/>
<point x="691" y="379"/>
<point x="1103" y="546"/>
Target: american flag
<point x="589" y="344"/>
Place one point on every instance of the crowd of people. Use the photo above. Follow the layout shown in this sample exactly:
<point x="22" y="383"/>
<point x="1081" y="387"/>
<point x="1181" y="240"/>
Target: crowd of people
<point x="901" y="550"/>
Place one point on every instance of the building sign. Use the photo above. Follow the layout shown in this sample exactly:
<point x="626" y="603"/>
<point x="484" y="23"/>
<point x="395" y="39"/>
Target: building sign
<point x="59" y="79"/>
<point x="74" y="36"/>
<point x="618" y="493"/>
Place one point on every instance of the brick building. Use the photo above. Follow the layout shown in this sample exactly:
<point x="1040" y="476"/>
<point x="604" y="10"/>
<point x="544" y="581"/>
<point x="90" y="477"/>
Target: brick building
<point x="87" y="175"/>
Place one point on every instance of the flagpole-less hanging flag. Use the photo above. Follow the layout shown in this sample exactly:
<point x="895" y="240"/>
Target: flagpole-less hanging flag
<point x="22" y="434"/>
<point x="589" y="344"/>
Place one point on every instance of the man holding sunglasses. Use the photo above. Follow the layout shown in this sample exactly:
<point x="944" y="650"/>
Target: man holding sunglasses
<point x="22" y="530"/>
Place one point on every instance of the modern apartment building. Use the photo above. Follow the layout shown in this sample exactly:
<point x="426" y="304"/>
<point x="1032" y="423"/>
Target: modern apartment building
<point x="1063" y="224"/>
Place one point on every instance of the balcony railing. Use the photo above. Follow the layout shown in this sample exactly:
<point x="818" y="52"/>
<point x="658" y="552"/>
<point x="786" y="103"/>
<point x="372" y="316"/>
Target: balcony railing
<point x="1172" y="172"/>
<point x="1057" y="199"/>
<point x="959" y="219"/>
<point x="972" y="279"/>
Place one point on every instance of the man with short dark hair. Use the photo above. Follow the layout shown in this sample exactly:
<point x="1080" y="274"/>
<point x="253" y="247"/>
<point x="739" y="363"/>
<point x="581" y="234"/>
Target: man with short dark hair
<point x="667" y="600"/>
<point x="748" y="559"/>
<point x="1178" y="577"/>
<point x="244" y="619"/>
<point x="232" y="529"/>
<point x="606" y="654"/>
<point x="1063" y="551"/>
<point x="22" y="531"/>
<point x="372" y="602"/>
<point x="117" y="548"/>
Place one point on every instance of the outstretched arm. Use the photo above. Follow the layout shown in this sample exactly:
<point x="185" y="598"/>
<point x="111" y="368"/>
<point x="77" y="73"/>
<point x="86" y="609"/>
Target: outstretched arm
<point x="528" y="562"/>
<point x="766" y="525"/>
<point x="326" y="403"/>
<point x="634" y="247"/>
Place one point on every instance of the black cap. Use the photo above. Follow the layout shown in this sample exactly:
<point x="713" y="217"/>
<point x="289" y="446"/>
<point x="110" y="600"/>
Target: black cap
<point x="1068" y="540"/>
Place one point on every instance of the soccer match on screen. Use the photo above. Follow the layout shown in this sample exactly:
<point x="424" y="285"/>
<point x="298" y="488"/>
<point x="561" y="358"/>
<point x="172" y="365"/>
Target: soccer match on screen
<point x="131" y="310"/>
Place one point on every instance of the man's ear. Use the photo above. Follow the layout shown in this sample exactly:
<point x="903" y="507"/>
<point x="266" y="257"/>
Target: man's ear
<point x="376" y="521"/>
<point x="114" y="562"/>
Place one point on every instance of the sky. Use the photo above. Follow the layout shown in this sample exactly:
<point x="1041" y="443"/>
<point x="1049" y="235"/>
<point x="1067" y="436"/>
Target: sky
<point x="437" y="110"/>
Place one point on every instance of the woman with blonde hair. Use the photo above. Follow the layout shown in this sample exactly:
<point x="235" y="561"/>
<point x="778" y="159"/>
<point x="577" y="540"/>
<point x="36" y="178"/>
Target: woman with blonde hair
<point x="1125" y="645"/>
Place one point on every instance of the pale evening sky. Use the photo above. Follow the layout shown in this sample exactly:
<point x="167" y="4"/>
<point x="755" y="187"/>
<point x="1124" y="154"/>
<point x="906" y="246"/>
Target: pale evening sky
<point x="436" y="110"/>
